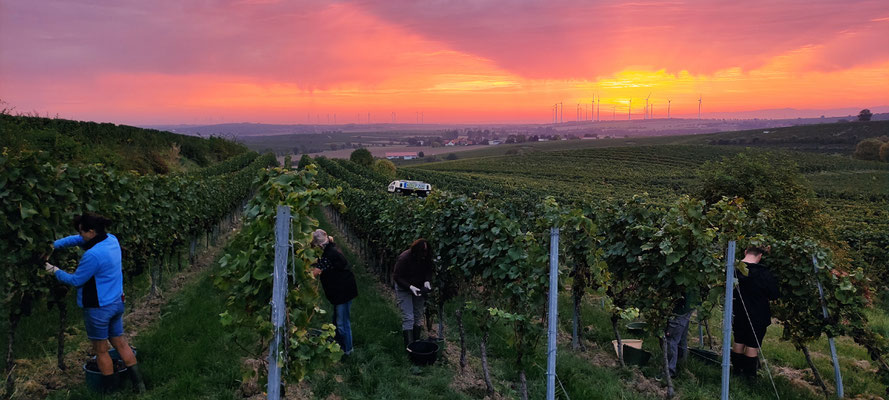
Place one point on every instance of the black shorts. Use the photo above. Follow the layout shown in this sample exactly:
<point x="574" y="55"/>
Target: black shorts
<point x="747" y="335"/>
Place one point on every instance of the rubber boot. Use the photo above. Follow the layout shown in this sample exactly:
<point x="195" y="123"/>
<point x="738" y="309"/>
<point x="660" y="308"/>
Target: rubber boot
<point x="408" y="336"/>
<point x="751" y="367"/>
<point x="418" y="332"/>
<point x="136" y="378"/>
<point x="738" y="361"/>
<point x="109" y="383"/>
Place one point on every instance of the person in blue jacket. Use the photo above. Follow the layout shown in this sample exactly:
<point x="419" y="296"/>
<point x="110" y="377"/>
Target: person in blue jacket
<point x="99" y="283"/>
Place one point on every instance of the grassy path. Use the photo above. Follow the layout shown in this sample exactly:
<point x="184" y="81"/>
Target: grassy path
<point x="379" y="368"/>
<point x="185" y="355"/>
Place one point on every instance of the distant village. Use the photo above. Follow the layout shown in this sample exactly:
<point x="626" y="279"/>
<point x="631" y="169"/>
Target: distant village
<point x="485" y="137"/>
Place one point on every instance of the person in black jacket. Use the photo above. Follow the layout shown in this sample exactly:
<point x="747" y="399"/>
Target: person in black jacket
<point x="339" y="286"/>
<point x="751" y="312"/>
<point x="413" y="271"/>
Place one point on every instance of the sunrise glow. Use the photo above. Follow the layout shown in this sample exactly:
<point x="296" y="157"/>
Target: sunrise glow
<point x="299" y="62"/>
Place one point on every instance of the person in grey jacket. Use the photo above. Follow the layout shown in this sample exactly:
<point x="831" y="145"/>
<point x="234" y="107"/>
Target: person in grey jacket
<point x="412" y="273"/>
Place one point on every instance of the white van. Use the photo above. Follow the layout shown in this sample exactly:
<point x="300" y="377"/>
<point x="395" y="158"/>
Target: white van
<point x="408" y="187"/>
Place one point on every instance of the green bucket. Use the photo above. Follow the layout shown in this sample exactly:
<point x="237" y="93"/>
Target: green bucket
<point x="637" y="328"/>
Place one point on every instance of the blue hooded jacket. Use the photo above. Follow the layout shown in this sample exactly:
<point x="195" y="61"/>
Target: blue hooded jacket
<point x="99" y="276"/>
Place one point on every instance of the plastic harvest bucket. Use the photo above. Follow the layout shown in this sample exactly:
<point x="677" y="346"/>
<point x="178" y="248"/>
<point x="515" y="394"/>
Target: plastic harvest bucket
<point x="633" y="353"/>
<point x="422" y="352"/>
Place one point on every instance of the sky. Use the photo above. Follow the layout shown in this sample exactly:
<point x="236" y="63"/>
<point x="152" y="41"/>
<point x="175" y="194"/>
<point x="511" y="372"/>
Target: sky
<point x="451" y="61"/>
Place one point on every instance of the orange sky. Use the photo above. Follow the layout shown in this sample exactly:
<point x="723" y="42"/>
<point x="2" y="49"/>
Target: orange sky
<point x="273" y="61"/>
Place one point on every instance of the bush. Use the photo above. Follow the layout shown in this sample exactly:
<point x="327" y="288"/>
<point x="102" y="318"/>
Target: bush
<point x="385" y="168"/>
<point x="769" y="185"/>
<point x="451" y="156"/>
<point x="884" y="152"/>
<point x="868" y="149"/>
<point x="362" y="157"/>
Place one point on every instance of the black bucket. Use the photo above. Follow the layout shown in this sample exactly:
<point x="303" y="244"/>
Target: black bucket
<point x="93" y="376"/>
<point x="422" y="352"/>
<point x="634" y="356"/>
<point x="708" y="356"/>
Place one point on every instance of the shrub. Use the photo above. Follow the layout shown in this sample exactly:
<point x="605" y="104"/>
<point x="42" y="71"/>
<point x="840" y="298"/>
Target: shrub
<point x="362" y="157"/>
<point x="385" y="168"/>
<point x="868" y="149"/>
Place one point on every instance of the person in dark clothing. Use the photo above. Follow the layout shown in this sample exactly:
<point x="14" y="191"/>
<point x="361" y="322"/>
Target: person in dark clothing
<point x="412" y="273"/>
<point x="339" y="286"/>
<point x="751" y="312"/>
<point x="676" y="332"/>
<point x="99" y="283"/>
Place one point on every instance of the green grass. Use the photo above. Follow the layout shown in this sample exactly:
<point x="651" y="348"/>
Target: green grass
<point x="186" y="354"/>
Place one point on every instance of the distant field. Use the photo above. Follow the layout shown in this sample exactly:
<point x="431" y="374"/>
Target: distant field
<point x="381" y="151"/>
<point x="837" y="138"/>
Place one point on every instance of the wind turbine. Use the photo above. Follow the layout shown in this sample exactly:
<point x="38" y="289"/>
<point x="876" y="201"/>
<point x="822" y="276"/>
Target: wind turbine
<point x="561" y="112"/>
<point x="668" y="108"/>
<point x="646" y="105"/>
<point x="629" y="109"/>
<point x="699" y="106"/>
<point x="598" y="106"/>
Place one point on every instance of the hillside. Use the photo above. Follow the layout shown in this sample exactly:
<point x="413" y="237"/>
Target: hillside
<point x="832" y="138"/>
<point x="120" y="146"/>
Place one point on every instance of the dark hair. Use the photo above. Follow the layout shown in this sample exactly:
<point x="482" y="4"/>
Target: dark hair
<point x="420" y="250"/>
<point x="90" y="220"/>
<point x="756" y="251"/>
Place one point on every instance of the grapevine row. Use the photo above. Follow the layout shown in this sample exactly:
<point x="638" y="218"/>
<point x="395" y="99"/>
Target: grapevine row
<point x="154" y="217"/>
<point x="641" y="253"/>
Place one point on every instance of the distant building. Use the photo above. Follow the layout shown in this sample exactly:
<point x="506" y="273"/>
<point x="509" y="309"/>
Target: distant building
<point x="402" y="155"/>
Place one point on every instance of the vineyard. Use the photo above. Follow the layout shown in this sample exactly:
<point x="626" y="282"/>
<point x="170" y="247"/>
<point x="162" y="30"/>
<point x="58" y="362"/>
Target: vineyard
<point x="119" y="146"/>
<point x="632" y="246"/>
<point x="856" y="193"/>
<point x="639" y="253"/>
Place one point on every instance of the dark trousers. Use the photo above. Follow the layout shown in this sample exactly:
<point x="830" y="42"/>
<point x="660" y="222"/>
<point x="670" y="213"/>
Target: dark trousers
<point x="676" y="335"/>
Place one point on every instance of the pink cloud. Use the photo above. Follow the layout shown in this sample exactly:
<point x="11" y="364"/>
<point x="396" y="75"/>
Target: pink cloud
<point x="585" y="39"/>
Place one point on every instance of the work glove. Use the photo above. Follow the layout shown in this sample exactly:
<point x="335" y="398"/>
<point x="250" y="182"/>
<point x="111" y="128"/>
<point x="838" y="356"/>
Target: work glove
<point x="51" y="268"/>
<point x="427" y="285"/>
<point x="415" y="290"/>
